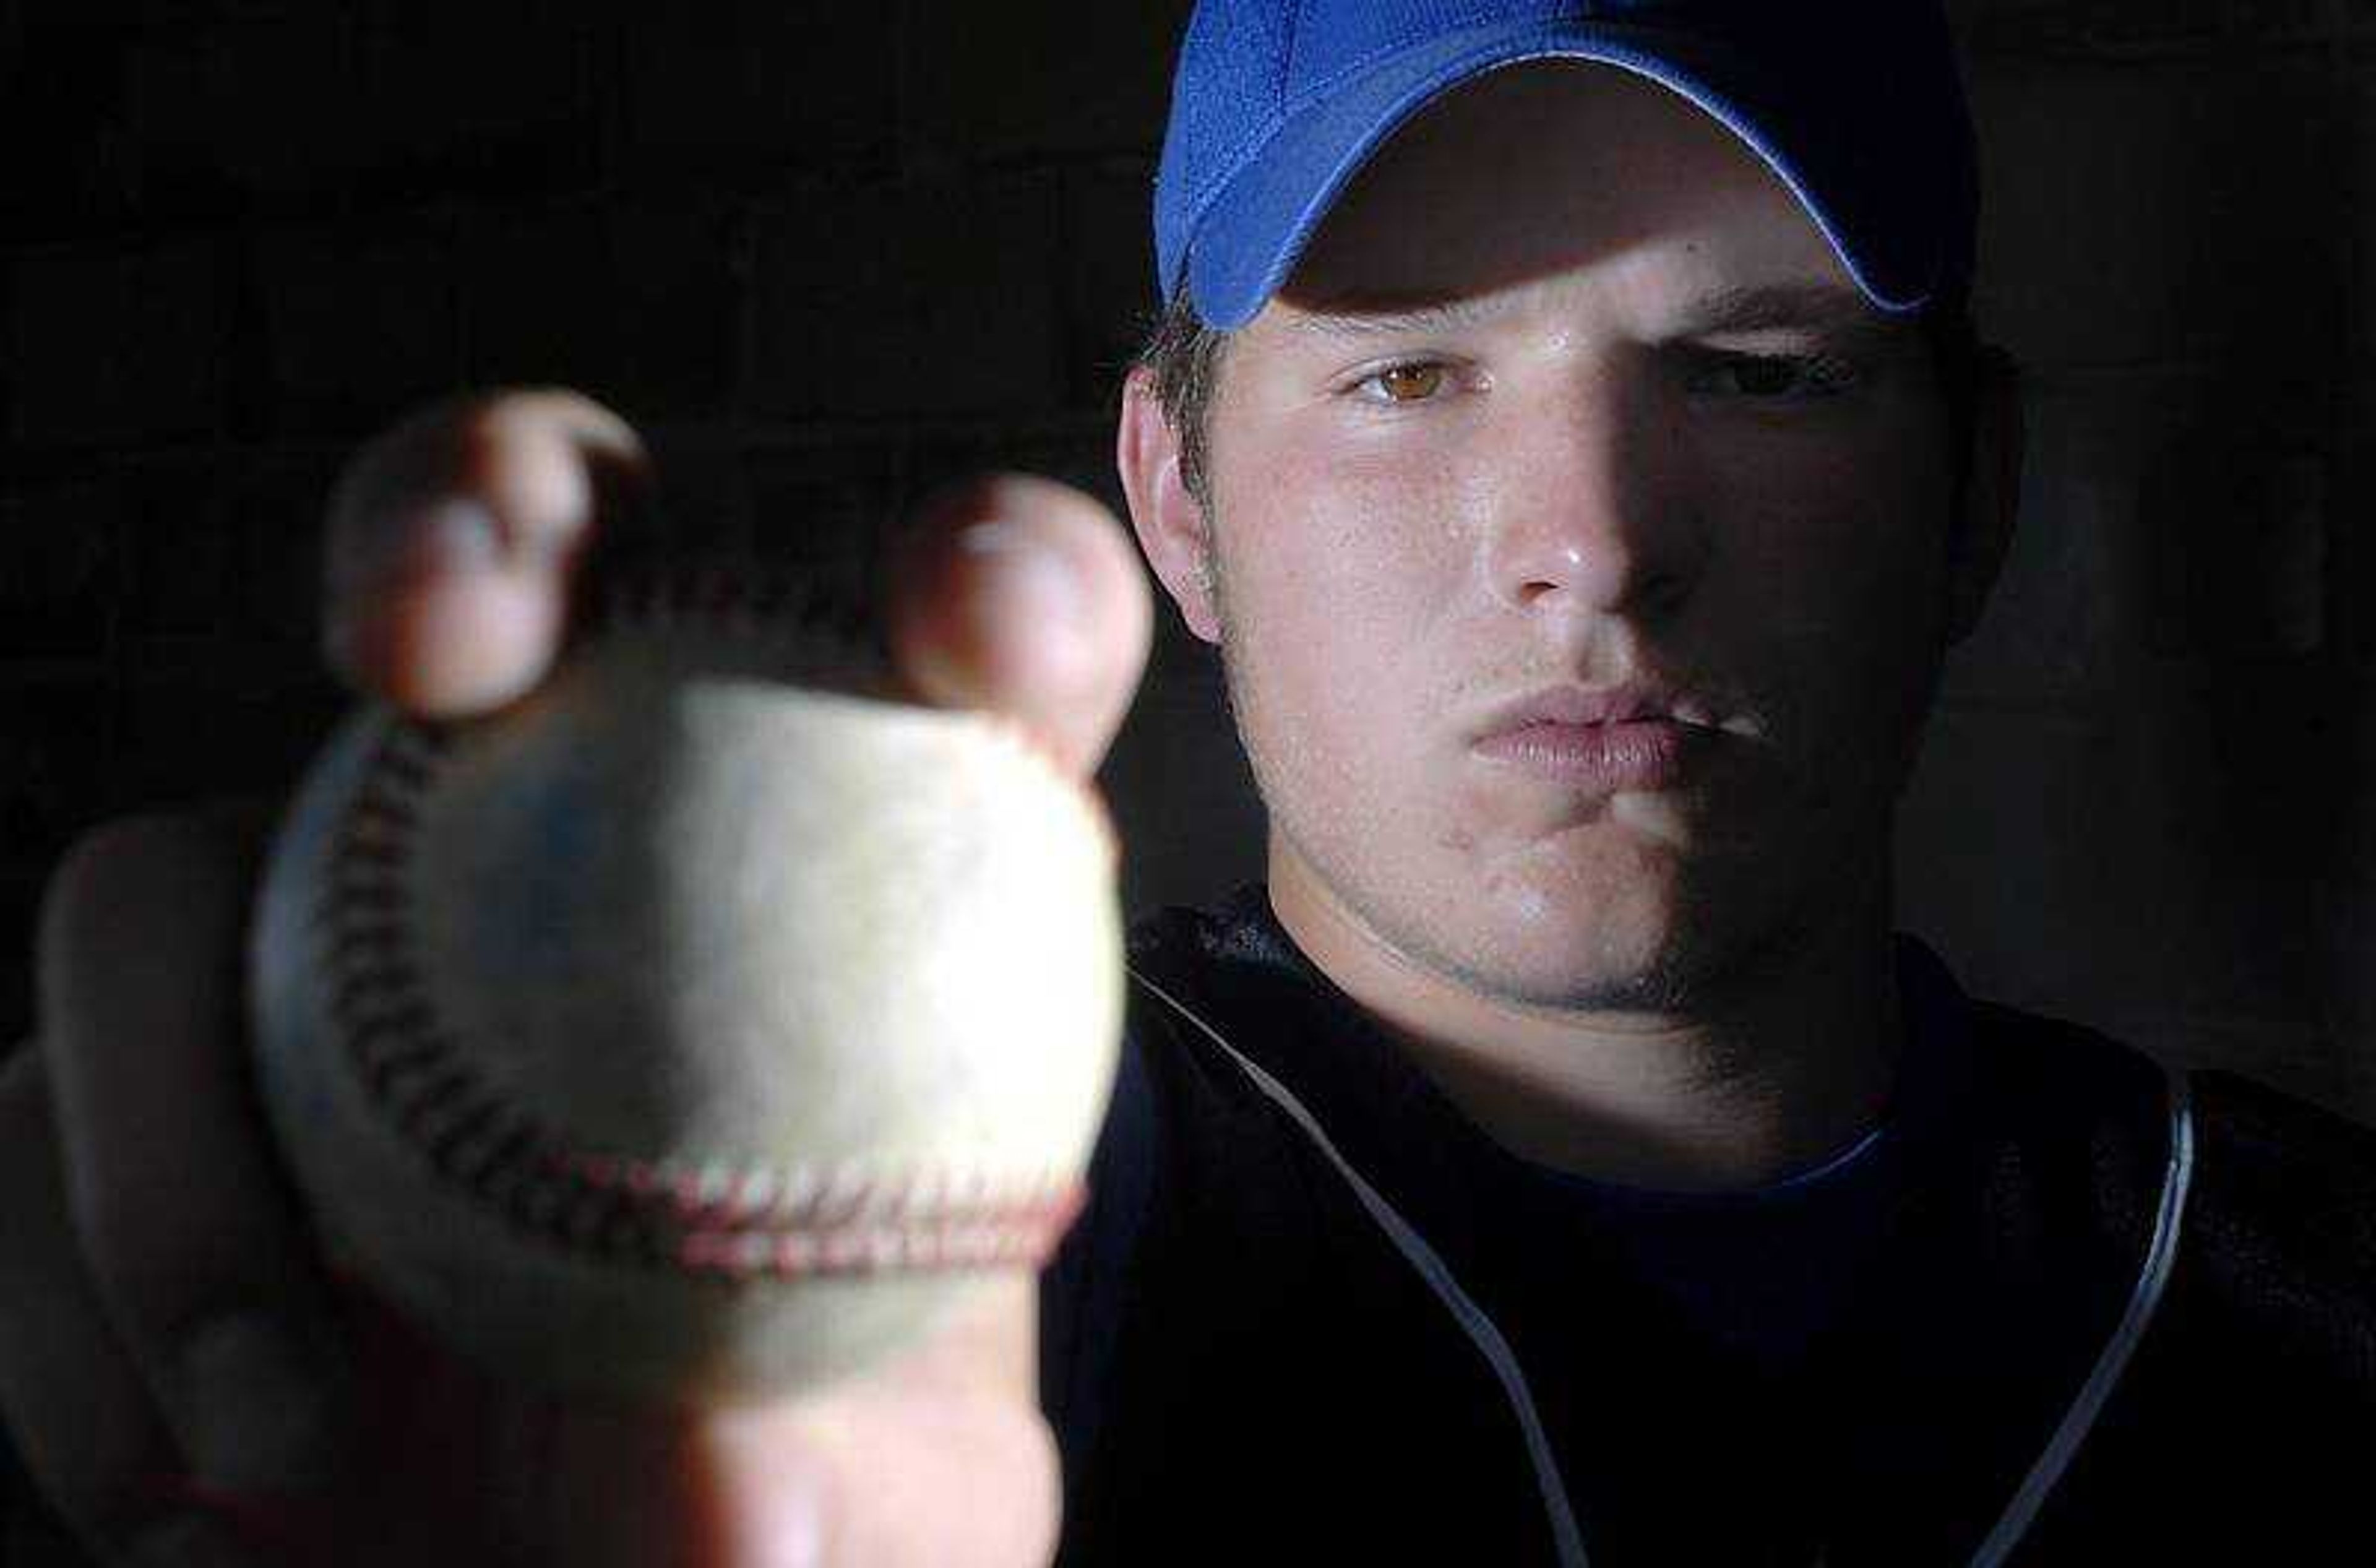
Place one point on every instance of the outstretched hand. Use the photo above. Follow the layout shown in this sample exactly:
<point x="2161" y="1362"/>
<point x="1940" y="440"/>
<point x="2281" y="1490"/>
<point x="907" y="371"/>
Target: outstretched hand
<point x="178" y="1372"/>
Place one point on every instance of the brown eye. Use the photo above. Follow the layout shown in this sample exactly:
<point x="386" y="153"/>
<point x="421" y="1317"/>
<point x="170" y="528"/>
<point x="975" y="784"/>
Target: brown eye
<point x="1411" y="383"/>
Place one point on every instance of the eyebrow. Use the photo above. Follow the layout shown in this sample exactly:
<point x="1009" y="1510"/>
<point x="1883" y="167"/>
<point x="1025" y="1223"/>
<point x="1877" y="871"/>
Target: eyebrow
<point x="1762" y="308"/>
<point x="1446" y="316"/>
<point x="1776" y="305"/>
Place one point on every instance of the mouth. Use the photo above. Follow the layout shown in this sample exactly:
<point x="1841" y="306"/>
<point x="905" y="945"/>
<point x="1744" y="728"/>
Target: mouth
<point x="1639" y="737"/>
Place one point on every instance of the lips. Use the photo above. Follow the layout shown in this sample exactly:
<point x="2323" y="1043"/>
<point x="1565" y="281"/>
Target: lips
<point x="1638" y="737"/>
<point x="1639" y="755"/>
<point x="1635" y="701"/>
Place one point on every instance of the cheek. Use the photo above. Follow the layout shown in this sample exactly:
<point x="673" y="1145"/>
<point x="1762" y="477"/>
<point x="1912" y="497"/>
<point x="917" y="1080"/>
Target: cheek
<point x="1836" y="586"/>
<point x="1372" y="522"/>
<point x="1342" y="581"/>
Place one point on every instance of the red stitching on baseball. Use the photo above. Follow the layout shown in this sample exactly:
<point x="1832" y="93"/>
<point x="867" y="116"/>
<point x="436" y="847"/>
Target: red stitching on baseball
<point x="733" y="1224"/>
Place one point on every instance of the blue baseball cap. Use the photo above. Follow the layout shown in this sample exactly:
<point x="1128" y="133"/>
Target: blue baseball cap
<point x="1857" y="105"/>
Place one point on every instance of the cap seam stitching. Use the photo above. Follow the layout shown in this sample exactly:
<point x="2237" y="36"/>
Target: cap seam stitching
<point x="1911" y="294"/>
<point x="1287" y="55"/>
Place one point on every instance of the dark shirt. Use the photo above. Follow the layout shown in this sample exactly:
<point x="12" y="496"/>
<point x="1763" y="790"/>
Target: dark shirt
<point x="1860" y="1364"/>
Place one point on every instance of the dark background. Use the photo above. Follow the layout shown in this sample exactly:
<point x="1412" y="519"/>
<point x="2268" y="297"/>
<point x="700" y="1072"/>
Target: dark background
<point x="829" y="255"/>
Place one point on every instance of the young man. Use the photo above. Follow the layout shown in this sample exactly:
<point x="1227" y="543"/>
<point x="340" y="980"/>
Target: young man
<point x="1568" y="433"/>
<point x="1559" y="1155"/>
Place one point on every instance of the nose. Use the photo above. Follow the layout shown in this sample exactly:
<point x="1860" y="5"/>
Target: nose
<point x="1598" y="514"/>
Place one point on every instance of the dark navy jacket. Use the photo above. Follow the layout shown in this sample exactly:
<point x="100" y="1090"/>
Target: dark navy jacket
<point x="1864" y="1366"/>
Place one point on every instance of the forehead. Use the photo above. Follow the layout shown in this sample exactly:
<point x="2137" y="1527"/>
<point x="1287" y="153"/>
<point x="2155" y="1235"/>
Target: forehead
<point x="1550" y="168"/>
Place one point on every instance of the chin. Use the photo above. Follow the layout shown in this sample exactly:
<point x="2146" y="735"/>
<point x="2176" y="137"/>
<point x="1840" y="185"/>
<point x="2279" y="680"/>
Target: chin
<point x="1594" y="969"/>
<point x="1647" y="932"/>
<point x="1667" y="983"/>
<point x="1638" y="945"/>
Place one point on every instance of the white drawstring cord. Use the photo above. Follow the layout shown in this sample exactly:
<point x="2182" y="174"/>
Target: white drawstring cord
<point x="1482" y="1332"/>
<point x="2144" y="1302"/>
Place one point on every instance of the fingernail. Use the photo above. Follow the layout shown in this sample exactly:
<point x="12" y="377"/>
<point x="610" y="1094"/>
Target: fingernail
<point x="454" y="534"/>
<point x="261" y="1397"/>
<point x="1017" y="565"/>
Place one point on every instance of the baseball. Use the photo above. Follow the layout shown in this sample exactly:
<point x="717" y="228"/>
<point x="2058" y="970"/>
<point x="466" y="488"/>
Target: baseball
<point x="703" y="1027"/>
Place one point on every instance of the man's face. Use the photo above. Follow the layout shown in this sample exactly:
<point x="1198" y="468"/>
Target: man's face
<point x="1570" y="415"/>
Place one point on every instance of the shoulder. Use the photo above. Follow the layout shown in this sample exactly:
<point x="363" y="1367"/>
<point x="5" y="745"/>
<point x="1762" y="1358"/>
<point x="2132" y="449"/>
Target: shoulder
<point x="2281" y="1150"/>
<point x="2275" y="1260"/>
<point x="2277" y="1232"/>
<point x="2284" y="1212"/>
<point x="1180" y="1111"/>
<point x="1212" y="992"/>
<point x="2270" y="1177"/>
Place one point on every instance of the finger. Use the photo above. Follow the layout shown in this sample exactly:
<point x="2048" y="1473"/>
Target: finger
<point x="1023" y="596"/>
<point x="453" y="541"/>
<point x="939" y="1458"/>
<point x="944" y="1459"/>
<point x="191" y="1240"/>
<point x="76" y="1408"/>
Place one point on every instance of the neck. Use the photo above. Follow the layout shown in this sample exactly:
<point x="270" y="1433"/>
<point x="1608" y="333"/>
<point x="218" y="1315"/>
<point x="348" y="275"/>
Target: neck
<point x="1787" y="1063"/>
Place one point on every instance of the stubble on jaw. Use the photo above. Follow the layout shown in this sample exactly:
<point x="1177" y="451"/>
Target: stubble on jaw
<point x="1701" y="964"/>
<point x="1708" y="961"/>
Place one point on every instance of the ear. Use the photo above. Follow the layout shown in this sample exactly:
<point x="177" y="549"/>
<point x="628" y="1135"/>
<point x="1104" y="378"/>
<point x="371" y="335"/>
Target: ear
<point x="1991" y="496"/>
<point x="1169" y="522"/>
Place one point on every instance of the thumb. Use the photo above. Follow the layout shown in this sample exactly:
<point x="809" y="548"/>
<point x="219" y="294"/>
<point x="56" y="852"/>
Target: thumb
<point x="938" y="1459"/>
<point x="1025" y="597"/>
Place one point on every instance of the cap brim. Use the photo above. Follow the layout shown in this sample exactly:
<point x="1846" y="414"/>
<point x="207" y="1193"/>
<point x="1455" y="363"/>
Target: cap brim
<point x="1266" y="215"/>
